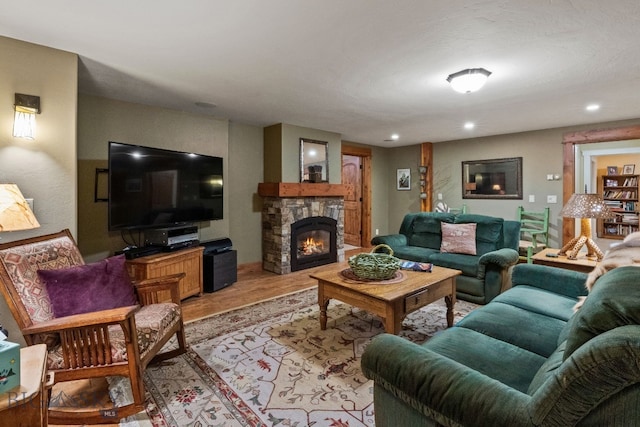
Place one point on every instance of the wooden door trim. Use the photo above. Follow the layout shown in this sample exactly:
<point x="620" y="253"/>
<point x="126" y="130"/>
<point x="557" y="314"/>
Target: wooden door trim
<point x="365" y="154"/>
<point x="569" y="141"/>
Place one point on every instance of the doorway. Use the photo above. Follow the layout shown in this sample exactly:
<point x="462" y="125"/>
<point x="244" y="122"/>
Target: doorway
<point x="356" y="175"/>
<point x="569" y="141"/>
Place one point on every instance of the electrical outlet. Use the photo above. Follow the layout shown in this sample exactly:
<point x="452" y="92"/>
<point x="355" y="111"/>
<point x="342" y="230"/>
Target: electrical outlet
<point x="377" y="231"/>
<point x="439" y="196"/>
<point x="552" y="199"/>
<point x="532" y="198"/>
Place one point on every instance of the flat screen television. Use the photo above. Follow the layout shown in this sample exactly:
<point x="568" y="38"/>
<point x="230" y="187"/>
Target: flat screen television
<point x="154" y="188"/>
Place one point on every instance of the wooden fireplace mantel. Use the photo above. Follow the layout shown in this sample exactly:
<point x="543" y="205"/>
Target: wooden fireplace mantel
<point x="302" y="189"/>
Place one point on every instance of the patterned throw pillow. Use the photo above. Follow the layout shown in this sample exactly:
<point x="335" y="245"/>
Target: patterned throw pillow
<point x="91" y="287"/>
<point x="458" y="238"/>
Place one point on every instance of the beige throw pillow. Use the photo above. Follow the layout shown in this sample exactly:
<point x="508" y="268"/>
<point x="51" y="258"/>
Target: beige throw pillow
<point x="458" y="238"/>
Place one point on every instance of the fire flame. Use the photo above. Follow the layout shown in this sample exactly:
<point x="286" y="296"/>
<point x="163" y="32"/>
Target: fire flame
<point x="311" y="246"/>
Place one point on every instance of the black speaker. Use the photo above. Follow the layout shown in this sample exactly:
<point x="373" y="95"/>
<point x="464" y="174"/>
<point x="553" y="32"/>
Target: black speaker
<point x="220" y="270"/>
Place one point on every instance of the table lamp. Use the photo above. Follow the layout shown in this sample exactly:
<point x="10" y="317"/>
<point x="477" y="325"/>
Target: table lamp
<point x="584" y="206"/>
<point x="15" y="213"/>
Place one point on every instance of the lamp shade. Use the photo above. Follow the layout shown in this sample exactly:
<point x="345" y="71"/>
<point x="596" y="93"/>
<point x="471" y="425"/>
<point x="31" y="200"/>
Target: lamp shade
<point x="586" y="205"/>
<point x="15" y="213"/>
<point x="469" y="80"/>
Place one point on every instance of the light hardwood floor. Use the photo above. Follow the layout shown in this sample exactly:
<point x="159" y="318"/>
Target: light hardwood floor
<point x="253" y="285"/>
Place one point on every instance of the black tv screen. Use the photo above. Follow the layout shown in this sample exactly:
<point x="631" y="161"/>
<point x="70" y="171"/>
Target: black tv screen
<point x="152" y="187"/>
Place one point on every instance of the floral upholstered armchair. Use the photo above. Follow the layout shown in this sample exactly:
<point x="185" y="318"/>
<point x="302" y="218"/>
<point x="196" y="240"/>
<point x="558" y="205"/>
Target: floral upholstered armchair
<point x="94" y="320"/>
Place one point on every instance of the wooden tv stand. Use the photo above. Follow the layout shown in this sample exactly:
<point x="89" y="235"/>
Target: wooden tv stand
<point x="188" y="261"/>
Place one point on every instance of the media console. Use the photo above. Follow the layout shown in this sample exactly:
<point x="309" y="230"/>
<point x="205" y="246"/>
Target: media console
<point x="188" y="261"/>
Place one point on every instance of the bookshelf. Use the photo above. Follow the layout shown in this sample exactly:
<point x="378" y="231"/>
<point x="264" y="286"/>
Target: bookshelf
<point x="620" y="194"/>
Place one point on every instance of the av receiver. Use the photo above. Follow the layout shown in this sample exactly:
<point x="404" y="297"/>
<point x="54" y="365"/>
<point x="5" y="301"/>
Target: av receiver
<point x="171" y="236"/>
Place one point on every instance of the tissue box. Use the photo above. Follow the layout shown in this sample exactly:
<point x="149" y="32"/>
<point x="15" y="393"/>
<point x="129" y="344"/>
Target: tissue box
<point x="9" y="365"/>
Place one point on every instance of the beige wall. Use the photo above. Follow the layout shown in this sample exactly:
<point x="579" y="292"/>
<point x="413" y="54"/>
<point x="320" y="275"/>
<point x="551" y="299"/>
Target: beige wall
<point x="101" y="120"/>
<point x="282" y="152"/>
<point x="245" y="206"/>
<point x="44" y="169"/>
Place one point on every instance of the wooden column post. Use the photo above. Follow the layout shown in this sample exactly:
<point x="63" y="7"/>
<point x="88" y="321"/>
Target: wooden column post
<point x="426" y="159"/>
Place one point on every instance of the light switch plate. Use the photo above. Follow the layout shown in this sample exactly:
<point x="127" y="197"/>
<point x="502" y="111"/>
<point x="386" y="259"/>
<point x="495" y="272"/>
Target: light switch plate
<point x="552" y="199"/>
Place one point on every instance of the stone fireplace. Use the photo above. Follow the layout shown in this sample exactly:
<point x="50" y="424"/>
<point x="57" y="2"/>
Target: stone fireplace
<point x="301" y="228"/>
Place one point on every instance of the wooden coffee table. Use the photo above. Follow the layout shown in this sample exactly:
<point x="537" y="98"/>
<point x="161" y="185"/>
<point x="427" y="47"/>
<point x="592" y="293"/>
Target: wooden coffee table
<point x="392" y="301"/>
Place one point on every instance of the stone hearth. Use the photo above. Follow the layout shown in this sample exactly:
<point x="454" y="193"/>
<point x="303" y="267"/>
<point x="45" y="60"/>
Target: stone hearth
<point x="286" y="203"/>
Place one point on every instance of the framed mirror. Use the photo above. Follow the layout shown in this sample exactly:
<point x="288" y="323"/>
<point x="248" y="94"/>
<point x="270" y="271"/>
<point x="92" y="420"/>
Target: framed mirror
<point x="314" y="160"/>
<point x="492" y="179"/>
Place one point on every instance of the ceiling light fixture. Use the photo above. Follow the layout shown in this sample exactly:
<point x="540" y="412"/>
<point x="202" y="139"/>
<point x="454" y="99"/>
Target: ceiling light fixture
<point x="469" y="80"/>
<point x="469" y="125"/>
<point x="593" y="107"/>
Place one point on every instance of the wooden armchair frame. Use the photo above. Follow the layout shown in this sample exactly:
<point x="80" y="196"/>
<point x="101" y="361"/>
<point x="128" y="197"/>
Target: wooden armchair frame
<point x="86" y="344"/>
<point x="535" y="225"/>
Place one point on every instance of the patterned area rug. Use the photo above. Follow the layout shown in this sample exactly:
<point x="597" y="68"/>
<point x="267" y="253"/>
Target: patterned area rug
<point x="269" y="364"/>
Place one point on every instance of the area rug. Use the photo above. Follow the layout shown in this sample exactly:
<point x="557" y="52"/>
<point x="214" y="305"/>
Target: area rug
<point x="269" y="364"/>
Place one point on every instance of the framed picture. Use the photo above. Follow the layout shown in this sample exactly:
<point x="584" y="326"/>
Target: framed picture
<point x="628" y="169"/>
<point x="403" y="179"/>
<point x="612" y="170"/>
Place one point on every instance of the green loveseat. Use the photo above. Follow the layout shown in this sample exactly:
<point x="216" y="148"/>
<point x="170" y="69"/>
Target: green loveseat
<point x="524" y="359"/>
<point x="484" y="275"/>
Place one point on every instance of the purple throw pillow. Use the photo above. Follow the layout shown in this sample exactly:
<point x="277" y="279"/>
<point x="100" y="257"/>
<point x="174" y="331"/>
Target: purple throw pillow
<point x="92" y="287"/>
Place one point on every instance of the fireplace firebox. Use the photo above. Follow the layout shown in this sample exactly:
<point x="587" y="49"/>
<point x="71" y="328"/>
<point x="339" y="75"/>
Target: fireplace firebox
<point x="313" y="242"/>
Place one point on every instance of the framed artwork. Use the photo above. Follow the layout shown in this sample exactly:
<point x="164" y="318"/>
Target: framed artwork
<point x="612" y="170"/>
<point x="403" y="179"/>
<point x="628" y="169"/>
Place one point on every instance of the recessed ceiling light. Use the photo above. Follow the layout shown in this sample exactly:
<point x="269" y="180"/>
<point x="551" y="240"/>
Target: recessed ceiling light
<point x="395" y="136"/>
<point x="469" y="125"/>
<point x="593" y="107"/>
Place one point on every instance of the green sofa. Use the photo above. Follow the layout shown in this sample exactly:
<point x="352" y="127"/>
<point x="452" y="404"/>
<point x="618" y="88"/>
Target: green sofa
<point x="485" y="274"/>
<point x="524" y="359"/>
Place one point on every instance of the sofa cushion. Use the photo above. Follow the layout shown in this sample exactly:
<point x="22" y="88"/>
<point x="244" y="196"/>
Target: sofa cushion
<point x="502" y="361"/>
<point x="614" y="301"/>
<point x="414" y="253"/>
<point x="541" y="340"/>
<point x="426" y="230"/>
<point x="92" y="287"/>
<point x="458" y="238"/>
<point x="489" y="235"/>
<point x="468" y="264"/>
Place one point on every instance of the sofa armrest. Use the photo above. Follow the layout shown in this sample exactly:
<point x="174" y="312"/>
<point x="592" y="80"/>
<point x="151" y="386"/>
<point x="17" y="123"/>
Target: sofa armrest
<point x="503" y="258"/>
<point x="445" y="390"/>
<point x="390" y="239"/>
<point x="558" y="280"/>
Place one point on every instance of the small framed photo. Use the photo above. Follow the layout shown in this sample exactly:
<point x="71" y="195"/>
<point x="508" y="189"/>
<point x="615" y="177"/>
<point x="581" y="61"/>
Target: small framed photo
<point x="612" y="170"/>
<point x="403" y="179"/>
<point x="628" y="169"/>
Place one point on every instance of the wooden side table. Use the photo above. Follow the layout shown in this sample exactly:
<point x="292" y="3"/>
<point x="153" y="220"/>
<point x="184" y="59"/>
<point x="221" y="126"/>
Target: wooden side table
<point x="188" y="261"/>
<point x="582" y="264"/>
<point x="26" y="404"/>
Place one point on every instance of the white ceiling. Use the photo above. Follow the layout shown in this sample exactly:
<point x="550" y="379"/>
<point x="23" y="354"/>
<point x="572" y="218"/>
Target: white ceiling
<point x="361" y="68"/>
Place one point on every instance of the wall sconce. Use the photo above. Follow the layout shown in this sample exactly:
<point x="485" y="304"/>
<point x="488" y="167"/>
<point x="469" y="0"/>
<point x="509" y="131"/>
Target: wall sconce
<point x="24" y="120"/>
